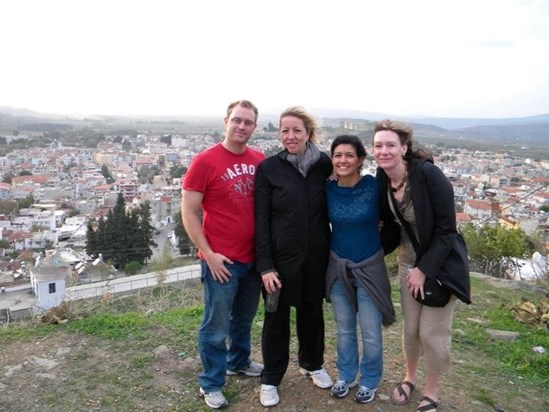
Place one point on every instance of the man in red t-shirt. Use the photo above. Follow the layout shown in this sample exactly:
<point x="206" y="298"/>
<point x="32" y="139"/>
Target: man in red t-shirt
<point x="220" y="183"/>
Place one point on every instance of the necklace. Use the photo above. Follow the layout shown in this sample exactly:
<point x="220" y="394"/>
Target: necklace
<point x="399" y="186"/>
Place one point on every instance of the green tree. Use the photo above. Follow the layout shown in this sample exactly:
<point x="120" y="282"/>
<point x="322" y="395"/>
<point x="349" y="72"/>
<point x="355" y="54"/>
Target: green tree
<point x="270" y="128"/>
<point x="25" y="173"/>
<point x="117" y="226"/>
<point x="166" y="139"/>
<point x="92" y="243"/>
<point x="134" y="237"/>
<point x="146" y="230"/>
<point x="492" y="249"/>
<point x="177" y="171"/>
<point x="74" y="212"/>
<point x="7" y="177"/>
<point x="124" y="236"/>
<point x="145" y="173"/>
<point x="106" y="174"/>
<point x="103" y="240"/>
<point x="132" y="268"/>
<point x="26" y="202"/>
<point x="184" y="243"/>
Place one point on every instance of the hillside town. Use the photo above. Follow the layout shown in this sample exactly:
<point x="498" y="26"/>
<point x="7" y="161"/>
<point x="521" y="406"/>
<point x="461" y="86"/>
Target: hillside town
<point x="69" y="186"/>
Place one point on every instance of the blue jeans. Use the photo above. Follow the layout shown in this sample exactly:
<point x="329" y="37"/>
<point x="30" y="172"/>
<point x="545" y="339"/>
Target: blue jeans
<point x="369" y="317"/>
<point x="224" y="335"/>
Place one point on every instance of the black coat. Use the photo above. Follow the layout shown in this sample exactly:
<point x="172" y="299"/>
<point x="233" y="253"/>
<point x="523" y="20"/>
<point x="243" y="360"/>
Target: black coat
<point x="440" y="244"/>
<point x="292" y="230"/>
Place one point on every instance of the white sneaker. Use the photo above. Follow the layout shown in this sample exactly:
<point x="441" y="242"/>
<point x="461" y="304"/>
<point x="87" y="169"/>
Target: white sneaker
<point x="320" y="377"/>
<point x="214" y="399"/>
<point x="269" y="395"/>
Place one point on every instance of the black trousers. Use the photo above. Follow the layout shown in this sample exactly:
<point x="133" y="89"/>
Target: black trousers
<point x="275" y="340"/>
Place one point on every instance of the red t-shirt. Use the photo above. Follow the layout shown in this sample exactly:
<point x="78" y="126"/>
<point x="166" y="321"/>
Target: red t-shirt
<point x="227" y="181"/>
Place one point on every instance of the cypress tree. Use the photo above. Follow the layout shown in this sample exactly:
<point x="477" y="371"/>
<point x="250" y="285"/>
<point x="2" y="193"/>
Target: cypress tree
<point x="92" y="247"/>
<point x="123" y="237"/>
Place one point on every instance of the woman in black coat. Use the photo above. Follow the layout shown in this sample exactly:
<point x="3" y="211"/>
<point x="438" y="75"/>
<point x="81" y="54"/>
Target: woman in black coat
<point x="415" y="191"/>
<point x="292" y="247"/>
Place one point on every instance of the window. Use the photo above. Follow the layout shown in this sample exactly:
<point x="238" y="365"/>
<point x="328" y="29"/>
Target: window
<point x="52" y="287"/>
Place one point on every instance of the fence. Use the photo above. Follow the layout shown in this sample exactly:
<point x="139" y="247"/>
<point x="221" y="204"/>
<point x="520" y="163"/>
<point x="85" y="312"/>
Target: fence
<point x="131" y="283"/>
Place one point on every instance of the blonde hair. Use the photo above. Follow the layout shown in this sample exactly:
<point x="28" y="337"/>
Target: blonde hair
<point x="311" y="125"/>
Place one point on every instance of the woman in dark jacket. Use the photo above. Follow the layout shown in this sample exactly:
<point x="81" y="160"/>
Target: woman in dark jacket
<point x="414" y="189"/>
<point x="292" y="246"/>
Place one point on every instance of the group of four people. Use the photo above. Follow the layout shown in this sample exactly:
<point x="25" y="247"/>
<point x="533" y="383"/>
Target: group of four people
<point x="264" y="224"/>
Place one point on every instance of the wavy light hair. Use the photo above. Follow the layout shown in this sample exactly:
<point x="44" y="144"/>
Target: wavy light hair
<point x="311" y="125"/>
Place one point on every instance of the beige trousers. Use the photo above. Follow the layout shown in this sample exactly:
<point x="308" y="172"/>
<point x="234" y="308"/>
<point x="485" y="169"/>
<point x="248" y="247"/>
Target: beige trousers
<point x="426" y="331"/>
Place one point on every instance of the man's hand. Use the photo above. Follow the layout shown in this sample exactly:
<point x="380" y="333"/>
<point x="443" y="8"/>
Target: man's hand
<point x="216" y="263"/>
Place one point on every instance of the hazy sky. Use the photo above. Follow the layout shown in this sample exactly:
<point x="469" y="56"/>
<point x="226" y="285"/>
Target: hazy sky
<point x="450" y="58"/>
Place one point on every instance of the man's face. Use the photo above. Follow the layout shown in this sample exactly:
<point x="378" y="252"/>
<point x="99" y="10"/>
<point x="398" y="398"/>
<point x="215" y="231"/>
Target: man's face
<point x="240" y="125"/>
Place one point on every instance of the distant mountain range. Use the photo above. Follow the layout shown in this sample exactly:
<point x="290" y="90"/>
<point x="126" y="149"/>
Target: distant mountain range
<point x="527" y="129"/>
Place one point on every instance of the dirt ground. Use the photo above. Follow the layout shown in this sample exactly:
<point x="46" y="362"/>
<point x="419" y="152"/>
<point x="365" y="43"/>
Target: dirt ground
<point x="72" y="371"/>
<point x="43" y="375"/>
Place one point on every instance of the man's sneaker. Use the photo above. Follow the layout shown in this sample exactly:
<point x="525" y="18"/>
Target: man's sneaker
<point x="320" y="377"/>
<point x="253" y="369"/>
<point x="214" y="399"/>
<point x="269" y="395"/>
<point x="365" y="394"/>
<point x="340" y="389"/>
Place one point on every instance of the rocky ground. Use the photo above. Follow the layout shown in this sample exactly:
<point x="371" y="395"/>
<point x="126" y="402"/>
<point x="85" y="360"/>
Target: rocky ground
<point x="67" y="371"/>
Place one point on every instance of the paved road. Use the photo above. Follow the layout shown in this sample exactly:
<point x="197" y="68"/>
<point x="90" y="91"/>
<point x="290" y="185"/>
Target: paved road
<point x="163" y="241"/>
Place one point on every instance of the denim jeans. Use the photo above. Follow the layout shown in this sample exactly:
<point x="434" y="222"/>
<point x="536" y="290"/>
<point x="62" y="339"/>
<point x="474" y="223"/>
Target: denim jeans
<point x="224" y="335"/>
<point x="369" y="317"/>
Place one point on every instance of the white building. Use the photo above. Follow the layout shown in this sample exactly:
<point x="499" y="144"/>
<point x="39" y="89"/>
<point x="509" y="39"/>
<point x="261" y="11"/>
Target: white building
<point x="48" y="284"/>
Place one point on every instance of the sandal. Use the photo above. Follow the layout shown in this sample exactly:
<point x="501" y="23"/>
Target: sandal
<point x="402" y="392"/>
<point x="430" y="406"/>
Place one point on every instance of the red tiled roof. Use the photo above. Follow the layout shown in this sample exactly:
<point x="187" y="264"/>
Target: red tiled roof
<point x="34" y="179"/>
<point x="462" y="217"/>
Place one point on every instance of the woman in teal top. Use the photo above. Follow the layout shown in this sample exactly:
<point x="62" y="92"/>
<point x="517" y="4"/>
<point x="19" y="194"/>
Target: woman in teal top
<point x="356" y="281"/>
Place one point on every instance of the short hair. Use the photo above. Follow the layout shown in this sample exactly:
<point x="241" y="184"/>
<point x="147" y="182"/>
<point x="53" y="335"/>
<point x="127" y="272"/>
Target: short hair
<point x="405" y="134"/>
<point x="353" y="140"/>
<point x="311" y="125"/>
<point x="244" y="103"/>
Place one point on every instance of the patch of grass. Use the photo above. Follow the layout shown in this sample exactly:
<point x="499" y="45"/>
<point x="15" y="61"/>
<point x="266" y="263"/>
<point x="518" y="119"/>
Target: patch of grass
<point x="112" y="326"/>
<point x="483" y="396"/>
<point x="141" y="361"/>
<point x="513" y="358"/>
<point x="25" y="332"/>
